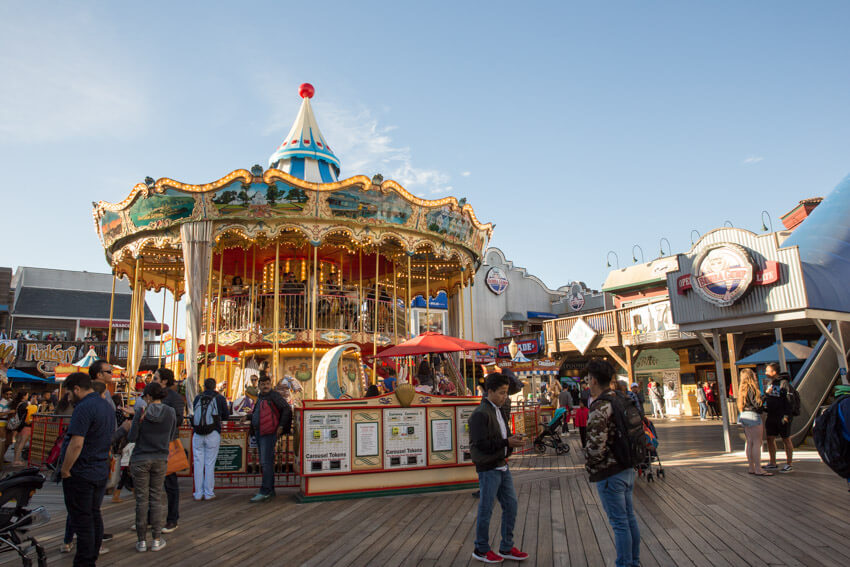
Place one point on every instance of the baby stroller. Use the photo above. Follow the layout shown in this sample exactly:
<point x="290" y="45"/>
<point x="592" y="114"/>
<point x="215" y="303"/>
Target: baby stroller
<point x="551" y="435"/>
<point x="645" y="469"/>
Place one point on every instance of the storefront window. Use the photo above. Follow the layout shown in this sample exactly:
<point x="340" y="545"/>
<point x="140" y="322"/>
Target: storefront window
<point x="437" y="323"/>
<point x="41" y="335"/>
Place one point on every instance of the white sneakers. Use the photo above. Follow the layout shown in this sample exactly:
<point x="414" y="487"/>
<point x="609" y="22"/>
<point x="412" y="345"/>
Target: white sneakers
<point x="157" y="545"/>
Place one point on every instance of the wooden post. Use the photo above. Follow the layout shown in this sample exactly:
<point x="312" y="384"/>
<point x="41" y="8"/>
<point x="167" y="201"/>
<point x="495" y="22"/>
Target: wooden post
<point x="721" y="383"/>
<point x="732" y="344"/>
<point x="111" y="312"/>
<point x="276" y="343"/>
<point x="314" y="316"/>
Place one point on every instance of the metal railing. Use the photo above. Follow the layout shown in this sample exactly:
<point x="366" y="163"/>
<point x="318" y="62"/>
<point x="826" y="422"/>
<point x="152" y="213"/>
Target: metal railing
<point x="337" y="310"/>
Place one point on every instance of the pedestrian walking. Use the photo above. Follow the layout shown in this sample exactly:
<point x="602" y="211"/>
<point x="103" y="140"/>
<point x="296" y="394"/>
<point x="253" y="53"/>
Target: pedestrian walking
<point x="580" y="421"/>
<point x="271" y="418"/>
<point x="656" y="396"/>
<point x="209" y="410"/>
<point x="490" y="446"/>
<point x="779" y="415"/>
<point x="152" y="431"/>
<point x="709" y="400"/>
<point x="615" y="481"/>
<point x="175" y="401"/>
<point x="750" y="408"/>
<point x="85" y="466"/>
<point x="702" y="401"/>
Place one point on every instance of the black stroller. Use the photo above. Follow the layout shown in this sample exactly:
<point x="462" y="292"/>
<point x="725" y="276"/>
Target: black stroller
<point x="551" y="435"/>
<point x="645" y="469"/>
<point x="16" y="489"/>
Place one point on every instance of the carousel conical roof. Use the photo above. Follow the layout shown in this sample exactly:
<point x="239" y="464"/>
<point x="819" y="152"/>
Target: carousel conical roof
<point x="304" y="153"/>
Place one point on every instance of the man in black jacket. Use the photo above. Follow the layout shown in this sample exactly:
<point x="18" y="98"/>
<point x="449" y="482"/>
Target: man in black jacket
<point x="172" y="489"/>
<point x="490" y="446"/>
<point x="271" y="418"/>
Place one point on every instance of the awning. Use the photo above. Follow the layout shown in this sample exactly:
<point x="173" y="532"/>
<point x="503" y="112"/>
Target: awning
<point x="541" y="315"/>
<point x="104" y="324"/>
<point x="16" y="375"/>
<point x="794" y="352"/>
<point x="514" y="316"/>
<point x="4" y="308"/>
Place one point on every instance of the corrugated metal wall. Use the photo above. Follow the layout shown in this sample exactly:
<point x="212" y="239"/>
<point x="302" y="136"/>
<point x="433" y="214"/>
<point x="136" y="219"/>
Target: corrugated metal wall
<point x="786" y="294"/>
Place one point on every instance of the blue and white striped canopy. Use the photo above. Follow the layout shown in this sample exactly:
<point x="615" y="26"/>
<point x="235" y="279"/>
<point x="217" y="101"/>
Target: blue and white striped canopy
<point x="88" y="359"/>
<point x="304" y="153"/>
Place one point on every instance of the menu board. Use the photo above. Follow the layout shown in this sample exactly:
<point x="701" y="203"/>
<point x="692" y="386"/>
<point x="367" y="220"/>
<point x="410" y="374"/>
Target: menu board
<point x="367" y="439"/>
<point x="327" y="441"/>
<point x="231" y="452"/>
<point x="404" y="438"/>
<point x="463" y="413"/>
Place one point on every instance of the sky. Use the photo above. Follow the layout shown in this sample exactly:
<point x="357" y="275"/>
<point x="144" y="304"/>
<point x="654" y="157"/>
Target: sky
<point x="577" y="128"/>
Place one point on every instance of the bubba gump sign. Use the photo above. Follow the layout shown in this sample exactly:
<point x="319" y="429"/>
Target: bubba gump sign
<point x="723" y="274"/>
<point x="48" y="356"/>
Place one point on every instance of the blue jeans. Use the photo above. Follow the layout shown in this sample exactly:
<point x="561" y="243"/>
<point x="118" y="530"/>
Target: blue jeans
<point x="703" y="409"/>
<point x="495" y="484"/>
<point x="265" y="446"/>
<point x="615" y="492"/>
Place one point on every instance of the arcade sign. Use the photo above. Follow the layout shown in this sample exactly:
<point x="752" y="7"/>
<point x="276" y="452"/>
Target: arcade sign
<point x="724" y="273"/>
<point x="529" y="346"/>
<point x="496" y="280"/>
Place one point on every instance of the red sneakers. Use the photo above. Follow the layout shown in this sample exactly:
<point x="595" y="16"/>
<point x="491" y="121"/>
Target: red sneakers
<point x="514" y="555"/>
<point x="488" y="557"/>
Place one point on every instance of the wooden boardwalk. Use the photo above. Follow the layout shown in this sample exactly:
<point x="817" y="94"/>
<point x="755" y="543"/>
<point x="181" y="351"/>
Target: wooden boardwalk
<point x="708" y="512"/>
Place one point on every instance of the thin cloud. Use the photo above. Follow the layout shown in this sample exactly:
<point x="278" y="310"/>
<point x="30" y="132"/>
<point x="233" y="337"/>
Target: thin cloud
<point x="752" y="159"/>
<point x="365" y="146"/>
<point x="465" y="173"/>
<point x="59" y="87"/>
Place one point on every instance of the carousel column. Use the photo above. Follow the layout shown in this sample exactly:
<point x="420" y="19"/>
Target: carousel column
<point x="159" y="355"/>
<point x="218" y="310"/>
<point x="407" y="312"/>
<point x="472" y="327"/>
<point x="360" y="290"/>
<point x="174" y="327"/>
<point x="111" y="313"/>
<point x="375" y="318"/>
<point x="196" y="241"/>
<point x="427" y="297"/>
<point x="137" y="313"/>
<point x="254" y="291"/>
<point x="276" y="343"/>
<point x="208" y="330"/>
<point x="314" y="313"/>
<point x="395" y="304"/>
<point x="463" y="323"/>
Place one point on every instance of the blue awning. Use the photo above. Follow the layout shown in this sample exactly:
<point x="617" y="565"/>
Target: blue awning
<point x="4" y="308"/>
<point x="541" y="315"/>
<point x="794" y="352"/>
<point x="16" y="375"/>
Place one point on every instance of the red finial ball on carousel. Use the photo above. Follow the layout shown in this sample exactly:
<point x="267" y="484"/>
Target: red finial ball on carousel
<point x="306" y="90"/>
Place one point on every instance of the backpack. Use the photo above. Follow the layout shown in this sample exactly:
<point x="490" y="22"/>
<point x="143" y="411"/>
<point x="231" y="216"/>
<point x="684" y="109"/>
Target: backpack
<point x="830" y="440"/>
<point x="793" y="398"/>
<point x="629" y="447"/>
<point x="205" y="416"/>
<point x="269" y="417"/>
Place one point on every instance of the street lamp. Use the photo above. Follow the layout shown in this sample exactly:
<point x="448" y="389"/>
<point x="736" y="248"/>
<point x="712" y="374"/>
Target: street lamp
<point x="634" y="258"/>
<point x="608" y="259"/>
<point x="730" y="223"/>
<point x="770" y="220"/>
<point x="661" y="247"/>
<point x="692" y="236"/>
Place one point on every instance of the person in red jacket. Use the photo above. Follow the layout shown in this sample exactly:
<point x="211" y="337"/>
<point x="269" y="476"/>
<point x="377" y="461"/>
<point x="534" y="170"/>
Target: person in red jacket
<point x="580" y="420"/>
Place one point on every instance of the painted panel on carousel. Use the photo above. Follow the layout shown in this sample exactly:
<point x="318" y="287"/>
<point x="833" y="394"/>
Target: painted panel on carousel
<point x="334" y="378"/>
<point x="161" y="209"/>
<point x="111" y="226"/>
<point x="375" y="206"/>
<point x="259" y="200"/>
<point x="450" y="223"/>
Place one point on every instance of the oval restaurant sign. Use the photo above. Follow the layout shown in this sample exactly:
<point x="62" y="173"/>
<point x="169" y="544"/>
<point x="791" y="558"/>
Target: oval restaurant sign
<point x="576" y="298"/>
<point x="497" y="281"/>
<point x="722" y="274"/>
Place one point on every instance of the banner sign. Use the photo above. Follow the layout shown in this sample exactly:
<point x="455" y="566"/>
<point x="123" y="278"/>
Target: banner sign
<point x="528" y="346"/>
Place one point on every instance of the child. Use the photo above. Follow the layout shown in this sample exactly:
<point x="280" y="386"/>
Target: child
<point x="580" y="420"/>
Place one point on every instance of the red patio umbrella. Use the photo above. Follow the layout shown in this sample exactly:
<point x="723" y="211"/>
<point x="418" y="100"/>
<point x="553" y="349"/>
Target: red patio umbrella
<point x="429" y="343"/>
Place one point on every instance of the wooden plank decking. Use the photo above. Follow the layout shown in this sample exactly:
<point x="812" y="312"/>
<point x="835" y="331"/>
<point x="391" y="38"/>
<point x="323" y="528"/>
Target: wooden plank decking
<point x="708" y="512"/>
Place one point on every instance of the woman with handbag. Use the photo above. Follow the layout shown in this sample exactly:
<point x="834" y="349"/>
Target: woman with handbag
<point x="152" y="431"/>
<point x="24" y="412"/>
<point x="750" y="406"/>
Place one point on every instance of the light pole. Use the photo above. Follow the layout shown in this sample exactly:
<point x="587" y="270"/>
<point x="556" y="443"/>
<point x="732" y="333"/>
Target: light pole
<point x="608" y="259"/>
<point x="634" y="258"/>
<point x="661" y="247"/>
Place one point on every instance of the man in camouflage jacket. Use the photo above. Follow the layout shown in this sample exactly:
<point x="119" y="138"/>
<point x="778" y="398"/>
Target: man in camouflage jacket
<point x="614" y="482"/>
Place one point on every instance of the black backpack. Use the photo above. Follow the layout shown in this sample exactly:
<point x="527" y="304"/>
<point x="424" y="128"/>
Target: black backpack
<point x="205" y="416"/>
<point x="629" y="447"/>
<point x="793" y="399"/>
<point x="828" y="435"/>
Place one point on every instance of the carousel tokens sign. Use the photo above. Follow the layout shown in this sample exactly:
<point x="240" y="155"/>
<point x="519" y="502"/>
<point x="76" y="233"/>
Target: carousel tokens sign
<point x="722" y="274"/>
<point x="497" y="281"/>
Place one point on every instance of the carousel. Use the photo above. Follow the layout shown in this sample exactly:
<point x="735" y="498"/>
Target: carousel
<point x="289" y="268"/>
